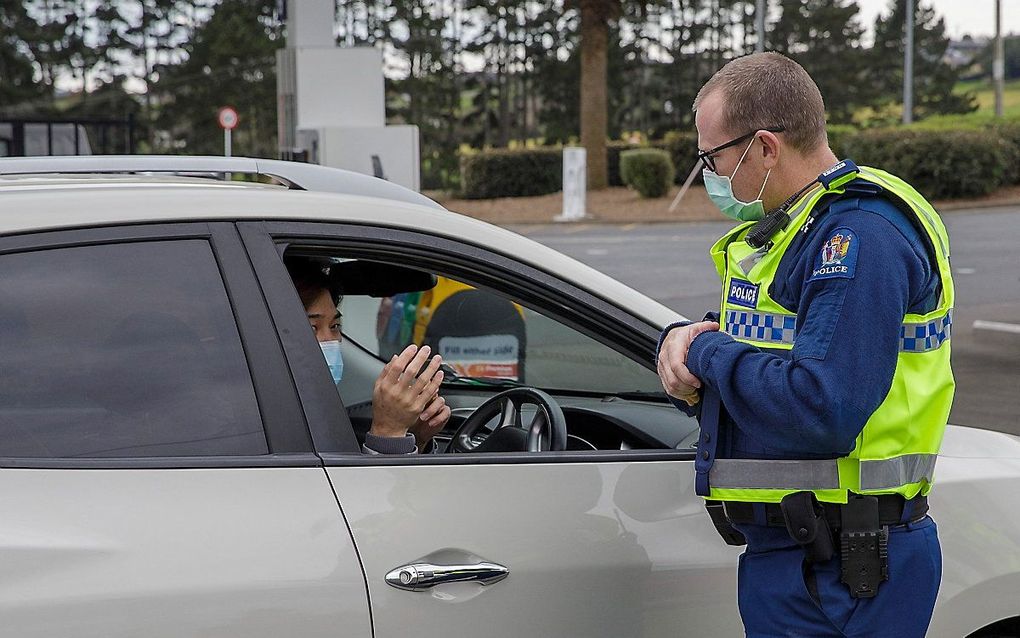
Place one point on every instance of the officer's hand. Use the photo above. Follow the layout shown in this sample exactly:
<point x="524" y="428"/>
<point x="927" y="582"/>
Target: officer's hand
<point x="676" y="379"/>
<point x="403" y="390"/>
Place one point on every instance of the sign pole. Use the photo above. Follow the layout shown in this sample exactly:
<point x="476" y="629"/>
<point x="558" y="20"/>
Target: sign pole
<point x="227" y="118"/>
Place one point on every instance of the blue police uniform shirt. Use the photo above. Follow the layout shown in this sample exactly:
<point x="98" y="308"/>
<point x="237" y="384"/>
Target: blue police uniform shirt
<point x="813" y="401"/>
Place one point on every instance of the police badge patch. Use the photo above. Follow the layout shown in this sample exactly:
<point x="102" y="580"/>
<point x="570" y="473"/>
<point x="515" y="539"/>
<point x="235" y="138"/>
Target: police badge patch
<point x="838" y="257"/>
<point x="743" y="293"/>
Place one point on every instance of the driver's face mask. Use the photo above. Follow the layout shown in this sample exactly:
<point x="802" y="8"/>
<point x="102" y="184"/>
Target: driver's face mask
<point x="720" y="191"/>
<point x="331" y="351"/>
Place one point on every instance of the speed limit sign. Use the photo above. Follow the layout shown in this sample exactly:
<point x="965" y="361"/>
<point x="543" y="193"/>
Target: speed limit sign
<point x="227" y="118"/>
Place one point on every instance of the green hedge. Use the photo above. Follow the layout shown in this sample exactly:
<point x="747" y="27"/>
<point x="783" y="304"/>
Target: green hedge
<point x="1009" y="134"/>
<point x="511" y="173"/>
<point x="939" y="160"/>
<point x="838" y="136"/>
<point x="683" y="151"/>
<point x="613" y="151"/>
<point x="649" y="171"/>
<point x="939" y="164"/>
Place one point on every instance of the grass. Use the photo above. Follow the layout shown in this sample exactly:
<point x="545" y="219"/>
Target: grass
<point x="985" y="93"/>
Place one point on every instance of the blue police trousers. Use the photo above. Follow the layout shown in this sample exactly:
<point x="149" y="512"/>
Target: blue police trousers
<point x="774" y="597"/>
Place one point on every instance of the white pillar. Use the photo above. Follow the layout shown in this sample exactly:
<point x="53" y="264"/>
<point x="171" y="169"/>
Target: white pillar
<point x="574" y="187"/>
<point x="310" y="23"/>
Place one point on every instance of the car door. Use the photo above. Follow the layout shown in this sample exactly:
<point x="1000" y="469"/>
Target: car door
<point x="595" y="543"/>
<point x="156" y="472"/>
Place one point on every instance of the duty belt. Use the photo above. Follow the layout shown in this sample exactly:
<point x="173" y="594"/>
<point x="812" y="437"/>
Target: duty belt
<point x="861" y="527"/>
<point x="890" y="512"/>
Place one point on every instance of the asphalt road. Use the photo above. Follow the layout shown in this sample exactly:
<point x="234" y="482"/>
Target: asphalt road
<point x="669" y="262"/>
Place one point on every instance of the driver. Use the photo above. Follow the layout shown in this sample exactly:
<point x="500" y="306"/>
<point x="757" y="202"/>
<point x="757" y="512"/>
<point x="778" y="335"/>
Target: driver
<point x="407" y="410"/>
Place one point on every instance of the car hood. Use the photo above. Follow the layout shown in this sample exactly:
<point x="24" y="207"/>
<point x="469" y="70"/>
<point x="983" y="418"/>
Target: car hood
<point x="974" y="443"/>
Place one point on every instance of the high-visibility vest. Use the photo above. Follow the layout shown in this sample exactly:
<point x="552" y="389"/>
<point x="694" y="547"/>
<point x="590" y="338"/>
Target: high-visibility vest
<point x="895" y="453"/>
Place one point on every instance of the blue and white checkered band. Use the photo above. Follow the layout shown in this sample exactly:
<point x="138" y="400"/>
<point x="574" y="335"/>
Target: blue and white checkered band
<point x="761" y="327"/>
<point x="922" y="337"/>
<point x="781" y="329"/>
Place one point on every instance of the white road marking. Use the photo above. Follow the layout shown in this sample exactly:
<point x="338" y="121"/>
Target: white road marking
<point x="965" y="271"/>
<point x="997" y="326"/>
<point x="596" y="251"/>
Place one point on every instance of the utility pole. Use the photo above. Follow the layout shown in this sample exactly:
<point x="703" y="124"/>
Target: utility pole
<point x="908" y="66"/>
<point x="759" y="18"/>
<point x="999" y="64"/>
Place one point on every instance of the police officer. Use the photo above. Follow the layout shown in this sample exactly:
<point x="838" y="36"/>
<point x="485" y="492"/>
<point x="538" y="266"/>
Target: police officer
<point x="823" y="386"/>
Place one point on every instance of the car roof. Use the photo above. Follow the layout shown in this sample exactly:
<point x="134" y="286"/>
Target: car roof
<point x="296" y="175"/>
<point x="38" y="202"/>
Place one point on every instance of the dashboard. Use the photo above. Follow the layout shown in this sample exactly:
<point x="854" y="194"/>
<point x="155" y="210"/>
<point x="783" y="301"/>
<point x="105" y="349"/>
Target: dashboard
<point x="593" y="423"/>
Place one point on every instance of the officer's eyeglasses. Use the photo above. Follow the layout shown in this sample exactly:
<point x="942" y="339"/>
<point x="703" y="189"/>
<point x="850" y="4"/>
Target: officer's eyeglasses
<point x="707" y="157"/>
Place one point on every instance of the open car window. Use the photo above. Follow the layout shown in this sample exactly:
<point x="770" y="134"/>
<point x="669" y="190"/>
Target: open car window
<point x="484" y="335"/>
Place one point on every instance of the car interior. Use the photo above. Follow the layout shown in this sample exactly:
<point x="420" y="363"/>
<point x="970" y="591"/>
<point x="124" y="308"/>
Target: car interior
<point x="516" y="377"/>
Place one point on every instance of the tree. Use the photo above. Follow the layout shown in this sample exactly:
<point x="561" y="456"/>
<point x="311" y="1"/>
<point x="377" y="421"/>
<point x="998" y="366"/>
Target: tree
<point x="595" y="18"/>
<point x="934" y="80"/>
<point x="428" y="95"/>
<point x="17" y="73"/>
<point x="230" y="60"/>
<point x="1011" y="57"/>
<point x="824" y="37"/>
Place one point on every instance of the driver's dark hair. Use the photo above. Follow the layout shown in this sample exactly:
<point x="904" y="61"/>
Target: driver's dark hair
<point x="310" y="279"/>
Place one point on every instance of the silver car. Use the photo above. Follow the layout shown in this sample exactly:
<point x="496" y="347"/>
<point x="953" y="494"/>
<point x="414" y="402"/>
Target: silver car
<point x="175" y="459"/>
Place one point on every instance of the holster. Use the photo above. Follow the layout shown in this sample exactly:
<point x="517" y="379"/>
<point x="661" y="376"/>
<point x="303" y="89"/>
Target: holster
<point x="805" y="521"/>
<point x="864" y="546"/>
<point x="730" y="534"/>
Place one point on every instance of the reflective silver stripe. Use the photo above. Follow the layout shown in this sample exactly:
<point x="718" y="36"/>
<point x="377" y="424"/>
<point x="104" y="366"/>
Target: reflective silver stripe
<point x="883" y="474"/>
<point x="891" y="473"/>
<point x="774" y="475"/>
<point x="749" y="262"/>
<point x="930" y="335"/>
<point x="761" y="326"/>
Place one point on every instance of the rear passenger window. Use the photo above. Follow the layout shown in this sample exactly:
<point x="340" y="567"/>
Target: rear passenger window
<point x="122" y="350"/>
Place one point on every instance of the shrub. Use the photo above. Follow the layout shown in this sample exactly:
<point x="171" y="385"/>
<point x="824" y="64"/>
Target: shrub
<point x="613" y="150"/>
<point x="683" y="151"/>
<point x="939" y="164"/>
<point x="838" y="135"/>
<point x="1009" y="135"/>
<point x="511" y="172"/>
<point x="649" y="171"/>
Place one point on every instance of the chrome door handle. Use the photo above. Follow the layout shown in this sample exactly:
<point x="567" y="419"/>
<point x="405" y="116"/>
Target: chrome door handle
<point x="421" y="576"/>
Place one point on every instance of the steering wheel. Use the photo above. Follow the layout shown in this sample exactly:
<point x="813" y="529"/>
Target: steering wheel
<point x="547" y="430"/>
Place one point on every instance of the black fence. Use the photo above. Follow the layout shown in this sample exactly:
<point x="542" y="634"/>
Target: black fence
<point x="72" y="136"/>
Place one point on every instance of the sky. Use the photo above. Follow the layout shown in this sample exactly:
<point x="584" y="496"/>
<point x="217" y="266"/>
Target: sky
<point x="974" y="17"/>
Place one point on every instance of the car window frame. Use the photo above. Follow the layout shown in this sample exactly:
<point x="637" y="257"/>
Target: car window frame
<point x="287" y="437"/>
<point x="580" y="310"/>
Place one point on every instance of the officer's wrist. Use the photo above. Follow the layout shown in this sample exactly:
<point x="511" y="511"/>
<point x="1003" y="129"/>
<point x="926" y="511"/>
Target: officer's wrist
<point x="699" y="354"/>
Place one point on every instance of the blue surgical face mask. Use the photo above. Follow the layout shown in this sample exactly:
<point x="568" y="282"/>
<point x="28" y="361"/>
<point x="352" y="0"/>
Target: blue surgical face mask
<point x="331" y="351"/>
<point x="720" y="191"/>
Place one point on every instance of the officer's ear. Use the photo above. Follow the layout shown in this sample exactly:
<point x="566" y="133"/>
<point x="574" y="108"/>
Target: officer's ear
<point x="771" y="147"/>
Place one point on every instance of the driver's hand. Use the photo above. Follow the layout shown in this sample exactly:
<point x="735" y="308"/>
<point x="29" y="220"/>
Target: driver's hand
<point x="407" y="385"/>
<point x="431" y="421"/>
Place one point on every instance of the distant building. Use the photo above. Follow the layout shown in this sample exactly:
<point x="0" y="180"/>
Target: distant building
<point x="964" y="52"/>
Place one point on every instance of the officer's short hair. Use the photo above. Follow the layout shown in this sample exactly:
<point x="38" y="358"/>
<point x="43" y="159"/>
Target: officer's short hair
<point x="768" y="89"/>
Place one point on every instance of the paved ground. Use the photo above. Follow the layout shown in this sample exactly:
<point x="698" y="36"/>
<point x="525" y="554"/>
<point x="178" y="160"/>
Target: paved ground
<point x="669" y="262"/>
